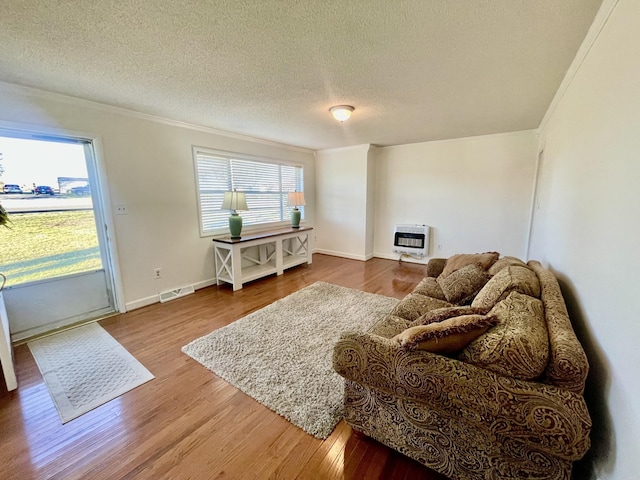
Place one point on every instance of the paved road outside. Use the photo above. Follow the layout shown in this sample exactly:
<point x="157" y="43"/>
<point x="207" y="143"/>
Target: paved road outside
<point x="16" y="203"/>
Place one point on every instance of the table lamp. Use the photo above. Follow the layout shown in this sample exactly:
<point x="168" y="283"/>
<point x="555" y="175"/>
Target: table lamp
<point x="234" y="201"/>
<point x="295" y="199"/>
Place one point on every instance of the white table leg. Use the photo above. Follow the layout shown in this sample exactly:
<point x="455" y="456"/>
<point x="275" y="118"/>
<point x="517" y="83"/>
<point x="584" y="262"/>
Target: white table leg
<point x="236" y="267"/>
<point x="279" y="257"/>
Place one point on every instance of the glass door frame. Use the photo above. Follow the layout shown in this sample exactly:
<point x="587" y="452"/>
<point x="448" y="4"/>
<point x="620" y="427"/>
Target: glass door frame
<point x="98" y="183"/>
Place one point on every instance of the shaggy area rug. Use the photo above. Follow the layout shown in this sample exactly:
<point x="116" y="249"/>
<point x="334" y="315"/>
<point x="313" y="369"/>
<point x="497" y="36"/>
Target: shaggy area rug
<point x="281" y="355"/>
<point x="84" y="368"/>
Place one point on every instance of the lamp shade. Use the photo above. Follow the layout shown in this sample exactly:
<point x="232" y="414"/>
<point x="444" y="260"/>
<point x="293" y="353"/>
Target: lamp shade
<point x="295" y="199"/>
<point x="234" y="201"/>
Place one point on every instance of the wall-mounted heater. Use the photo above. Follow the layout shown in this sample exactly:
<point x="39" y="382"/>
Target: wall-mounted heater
<point x="411" y="240"/>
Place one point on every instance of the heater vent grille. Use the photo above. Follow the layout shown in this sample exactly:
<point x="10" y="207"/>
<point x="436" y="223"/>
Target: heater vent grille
<point x="411" y="240"/>
<point x="177" y="293"/>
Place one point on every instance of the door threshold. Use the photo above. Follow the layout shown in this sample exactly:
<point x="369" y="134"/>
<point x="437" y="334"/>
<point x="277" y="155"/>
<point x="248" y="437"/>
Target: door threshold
<point x="48" y="333"/>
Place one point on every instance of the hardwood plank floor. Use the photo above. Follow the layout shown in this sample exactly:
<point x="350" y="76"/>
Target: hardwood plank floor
<point x="188" y="423"/>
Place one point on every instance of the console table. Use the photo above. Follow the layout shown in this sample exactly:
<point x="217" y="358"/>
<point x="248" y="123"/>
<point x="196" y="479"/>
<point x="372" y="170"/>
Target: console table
<point x="253" y="256"/>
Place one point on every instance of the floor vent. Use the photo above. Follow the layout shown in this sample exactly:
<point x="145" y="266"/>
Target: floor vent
<point x="177" y="293"/>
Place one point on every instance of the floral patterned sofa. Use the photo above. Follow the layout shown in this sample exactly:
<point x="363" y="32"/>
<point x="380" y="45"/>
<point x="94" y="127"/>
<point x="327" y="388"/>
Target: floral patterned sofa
<point x="503" y="400"/>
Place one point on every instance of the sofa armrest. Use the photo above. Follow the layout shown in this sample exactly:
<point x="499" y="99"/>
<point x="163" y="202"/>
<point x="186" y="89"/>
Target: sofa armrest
<point x="543" y="416"/>
<point x="435" y="266"/>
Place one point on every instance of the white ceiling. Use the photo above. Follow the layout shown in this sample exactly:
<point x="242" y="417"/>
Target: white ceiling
<point x="415" y="70"/>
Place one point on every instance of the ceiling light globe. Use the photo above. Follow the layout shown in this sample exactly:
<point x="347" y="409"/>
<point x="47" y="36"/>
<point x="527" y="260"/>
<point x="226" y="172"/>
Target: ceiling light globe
<point x="341" y="112"/>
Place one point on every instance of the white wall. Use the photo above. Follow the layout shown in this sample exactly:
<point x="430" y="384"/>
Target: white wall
<point x="344" y="202"/>
<point x="474" y="192"/>
<point x="149" y="166"/>
<point x="588" y="231"/>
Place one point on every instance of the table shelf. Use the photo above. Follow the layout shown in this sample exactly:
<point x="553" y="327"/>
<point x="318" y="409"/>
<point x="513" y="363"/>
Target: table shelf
<point x="289" y="261"/>
<point x="258" y="271"/>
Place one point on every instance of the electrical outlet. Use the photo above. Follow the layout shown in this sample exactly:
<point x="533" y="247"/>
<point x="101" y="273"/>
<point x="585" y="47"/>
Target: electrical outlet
<point x="157" y="273"/>
<point x="122" y="210"/>
<point x="439" y="246"/>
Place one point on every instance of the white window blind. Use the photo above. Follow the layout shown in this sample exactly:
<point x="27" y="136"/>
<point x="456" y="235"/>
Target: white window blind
<point x="265" y="184"/>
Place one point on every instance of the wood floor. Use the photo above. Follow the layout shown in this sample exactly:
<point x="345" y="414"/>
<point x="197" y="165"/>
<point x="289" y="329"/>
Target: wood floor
<point x="188" y="423"/>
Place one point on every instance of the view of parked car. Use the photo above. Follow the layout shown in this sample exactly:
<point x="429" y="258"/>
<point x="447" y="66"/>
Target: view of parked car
<point x="11" y="188"/>
<point x="44" y="190"/>
<point x="84" y="190"/>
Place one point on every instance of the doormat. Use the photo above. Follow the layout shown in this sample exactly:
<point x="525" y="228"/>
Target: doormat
<point x="84" y="368"/>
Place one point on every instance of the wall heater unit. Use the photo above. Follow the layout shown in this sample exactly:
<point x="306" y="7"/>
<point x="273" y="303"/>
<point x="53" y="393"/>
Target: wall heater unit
<point x="411" y="240"/>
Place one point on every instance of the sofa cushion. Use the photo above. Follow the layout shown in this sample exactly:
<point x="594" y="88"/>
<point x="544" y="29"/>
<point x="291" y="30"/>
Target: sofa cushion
<point x="447" y="336"/>
<point x="456" y="262"/>
<point x="505" y="262"/>
<point x="440" y="314"/>
<point x="429" y="287"/>
<point x="463" y="284"/>
<point x="414" y="305"/>
<point x="435" y="266"/>
<point x="389" y="326"/>
<point x="518" y="346"/>
<point x="512" y="278"/>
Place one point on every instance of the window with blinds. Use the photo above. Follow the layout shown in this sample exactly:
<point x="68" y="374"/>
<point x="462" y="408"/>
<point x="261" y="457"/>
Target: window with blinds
<point x="264" y="182"/>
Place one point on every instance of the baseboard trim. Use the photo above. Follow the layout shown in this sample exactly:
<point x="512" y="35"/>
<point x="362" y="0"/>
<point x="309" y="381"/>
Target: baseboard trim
<point x="395" y="256"/>
<point x="204" y="283"/>
<point x="362" y="258"/>
<point x="142" y="302"/>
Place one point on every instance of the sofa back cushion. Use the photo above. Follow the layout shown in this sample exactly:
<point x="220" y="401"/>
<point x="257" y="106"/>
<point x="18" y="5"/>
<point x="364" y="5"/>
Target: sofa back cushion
<point x="519" y="345"/>
<point x="415" y="305"/>
<point x="390" y="326"/>
<point x="512" y="278"/>
<point x="440" y="314"/>
<point x="435" y="266"/>
<point x="505" y="262"/>
<point x="429" y="287"/>
<point x="456" y="262"/>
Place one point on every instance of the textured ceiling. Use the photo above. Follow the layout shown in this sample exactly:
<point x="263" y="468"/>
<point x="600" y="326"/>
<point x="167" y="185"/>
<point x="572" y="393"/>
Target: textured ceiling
<point x="415" y="70"/>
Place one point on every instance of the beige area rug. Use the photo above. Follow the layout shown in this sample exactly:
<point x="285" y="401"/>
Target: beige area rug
<point x="84" y="368"/>
<point x="281" y="355"/>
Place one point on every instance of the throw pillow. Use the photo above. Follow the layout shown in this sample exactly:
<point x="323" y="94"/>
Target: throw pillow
<point x="463" y="284"/>
<point x="414" y="305"/>
<point x="447" y="336"/>
<point x="440" y="314"/>
<point x="513" y="278"/>
<point x="456" y="262"/>
<point x="429" y="287"/>
<point x="518" y="346"/>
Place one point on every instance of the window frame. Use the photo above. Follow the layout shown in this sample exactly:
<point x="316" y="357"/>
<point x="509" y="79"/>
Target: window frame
<point x="196" y="150"/>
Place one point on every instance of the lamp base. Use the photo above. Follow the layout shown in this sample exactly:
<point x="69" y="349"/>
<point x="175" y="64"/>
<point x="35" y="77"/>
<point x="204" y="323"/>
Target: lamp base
<point x="235" y="225"/>
<point x="295" y="218"/>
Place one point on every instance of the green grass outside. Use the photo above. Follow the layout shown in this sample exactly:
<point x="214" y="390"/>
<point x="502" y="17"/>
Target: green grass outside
<point x="47" y="245"/>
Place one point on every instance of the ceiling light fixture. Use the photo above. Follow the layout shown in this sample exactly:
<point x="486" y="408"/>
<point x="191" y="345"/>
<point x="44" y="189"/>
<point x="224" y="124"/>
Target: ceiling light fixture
<point x="341" y="112"/>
